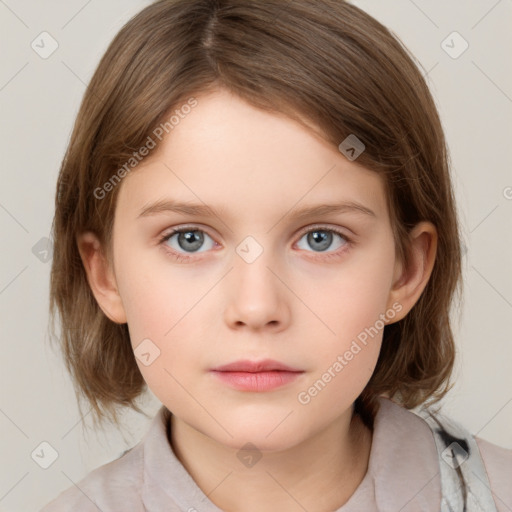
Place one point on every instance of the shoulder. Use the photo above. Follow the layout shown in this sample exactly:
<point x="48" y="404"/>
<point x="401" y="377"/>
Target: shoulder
<point x="498" y="464"/>
<point x="495" y="461"/>
<point x="406" y="434"/>
<point x="112" y="487"/>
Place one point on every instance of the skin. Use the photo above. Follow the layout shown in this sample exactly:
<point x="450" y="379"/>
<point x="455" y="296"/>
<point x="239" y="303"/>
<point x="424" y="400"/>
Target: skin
<point x="292" y="303"/>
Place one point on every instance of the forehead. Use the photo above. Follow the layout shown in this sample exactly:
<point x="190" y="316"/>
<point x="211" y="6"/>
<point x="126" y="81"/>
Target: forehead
<point x="227" y="153"/>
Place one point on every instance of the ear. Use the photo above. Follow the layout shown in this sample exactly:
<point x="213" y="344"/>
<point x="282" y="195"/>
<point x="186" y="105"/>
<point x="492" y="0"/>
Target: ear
<point x="100" y="276"/>
<point x="409" y="283"/>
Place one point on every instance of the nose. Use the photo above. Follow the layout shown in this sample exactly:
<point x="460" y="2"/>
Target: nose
<point x="257" y="298"/>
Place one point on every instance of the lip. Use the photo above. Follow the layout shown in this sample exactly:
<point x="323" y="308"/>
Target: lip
<point x="256" y="375"/>
<point x="245" y="365"/>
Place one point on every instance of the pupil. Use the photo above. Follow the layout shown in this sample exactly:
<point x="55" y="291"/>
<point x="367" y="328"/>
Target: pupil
<point x="320" y="236"/>
<point x="192" y="237"/>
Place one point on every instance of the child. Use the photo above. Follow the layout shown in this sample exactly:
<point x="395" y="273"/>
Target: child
<point x="254" y="131"/>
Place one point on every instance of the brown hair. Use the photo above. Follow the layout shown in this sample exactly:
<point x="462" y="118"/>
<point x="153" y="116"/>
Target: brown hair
<point x="326" y="61"/>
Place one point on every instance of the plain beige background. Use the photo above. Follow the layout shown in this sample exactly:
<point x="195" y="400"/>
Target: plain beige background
<point x="39" y="98"/>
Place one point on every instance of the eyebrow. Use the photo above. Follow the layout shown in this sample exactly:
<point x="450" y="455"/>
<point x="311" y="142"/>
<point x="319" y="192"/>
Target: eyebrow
<point x="203" y="210"/>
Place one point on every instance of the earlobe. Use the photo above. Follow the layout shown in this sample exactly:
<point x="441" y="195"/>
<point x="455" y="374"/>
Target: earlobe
<point x="409" y="283"/>
<point x="101" y="277"/>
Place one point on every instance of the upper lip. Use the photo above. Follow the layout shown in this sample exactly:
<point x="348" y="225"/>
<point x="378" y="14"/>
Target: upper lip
<point x="265" y="365"/>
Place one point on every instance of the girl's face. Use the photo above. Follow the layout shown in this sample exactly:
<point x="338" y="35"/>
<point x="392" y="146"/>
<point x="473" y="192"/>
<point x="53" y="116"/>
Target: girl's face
<point x="248" y="282"/>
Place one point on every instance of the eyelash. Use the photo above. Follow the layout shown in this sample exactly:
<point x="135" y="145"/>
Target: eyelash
<point x="182" y="258"/>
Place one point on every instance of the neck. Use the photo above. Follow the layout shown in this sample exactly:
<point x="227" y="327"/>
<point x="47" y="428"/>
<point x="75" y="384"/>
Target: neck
<point x="318" y="475"/>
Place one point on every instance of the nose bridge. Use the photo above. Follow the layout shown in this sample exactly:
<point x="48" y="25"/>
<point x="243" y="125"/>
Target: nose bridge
<point x="256" y="297"/>
<point x="252" y="265"/>
<point x="255" y="257"/>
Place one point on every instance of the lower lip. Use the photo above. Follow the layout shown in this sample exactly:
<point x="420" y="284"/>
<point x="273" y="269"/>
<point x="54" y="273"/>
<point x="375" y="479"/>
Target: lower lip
<point x="257" y="381"/>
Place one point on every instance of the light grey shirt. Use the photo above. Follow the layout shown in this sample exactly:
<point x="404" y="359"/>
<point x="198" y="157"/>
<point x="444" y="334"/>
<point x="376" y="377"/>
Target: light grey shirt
<point x="403" y="473"/>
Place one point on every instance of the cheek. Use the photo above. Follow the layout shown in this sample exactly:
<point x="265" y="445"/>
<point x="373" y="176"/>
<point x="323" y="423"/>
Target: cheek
<point x="162" y="305"/>
<point x="161" y="334"/>
<point x="155" y="293"/>
<point x="345" y="354"/>
<point x="352" y="298"/>
<point x="353" y="310"/>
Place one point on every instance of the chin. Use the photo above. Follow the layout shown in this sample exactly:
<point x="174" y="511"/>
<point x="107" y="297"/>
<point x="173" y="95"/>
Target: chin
<point x="268" y="432"/>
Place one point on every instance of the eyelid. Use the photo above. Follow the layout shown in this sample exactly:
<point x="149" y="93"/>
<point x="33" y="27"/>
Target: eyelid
<point x="311" y="227"/>
<point x="326" y="227"/>
<point x="183" y="228"/>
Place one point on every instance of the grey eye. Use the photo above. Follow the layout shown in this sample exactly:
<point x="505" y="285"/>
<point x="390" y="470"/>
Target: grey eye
<point x="188" y="240"/>
<point x="321" y="239"/>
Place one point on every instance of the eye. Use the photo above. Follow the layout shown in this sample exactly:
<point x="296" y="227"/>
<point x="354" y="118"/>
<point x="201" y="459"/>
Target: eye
<point x="321" y="238"/>
<point x="185" y="241"/>
<point x="189" y="240"/>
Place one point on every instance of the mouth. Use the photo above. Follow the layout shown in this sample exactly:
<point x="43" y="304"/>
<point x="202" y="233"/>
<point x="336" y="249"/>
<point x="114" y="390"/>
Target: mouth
<point x="256" y="375"/>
